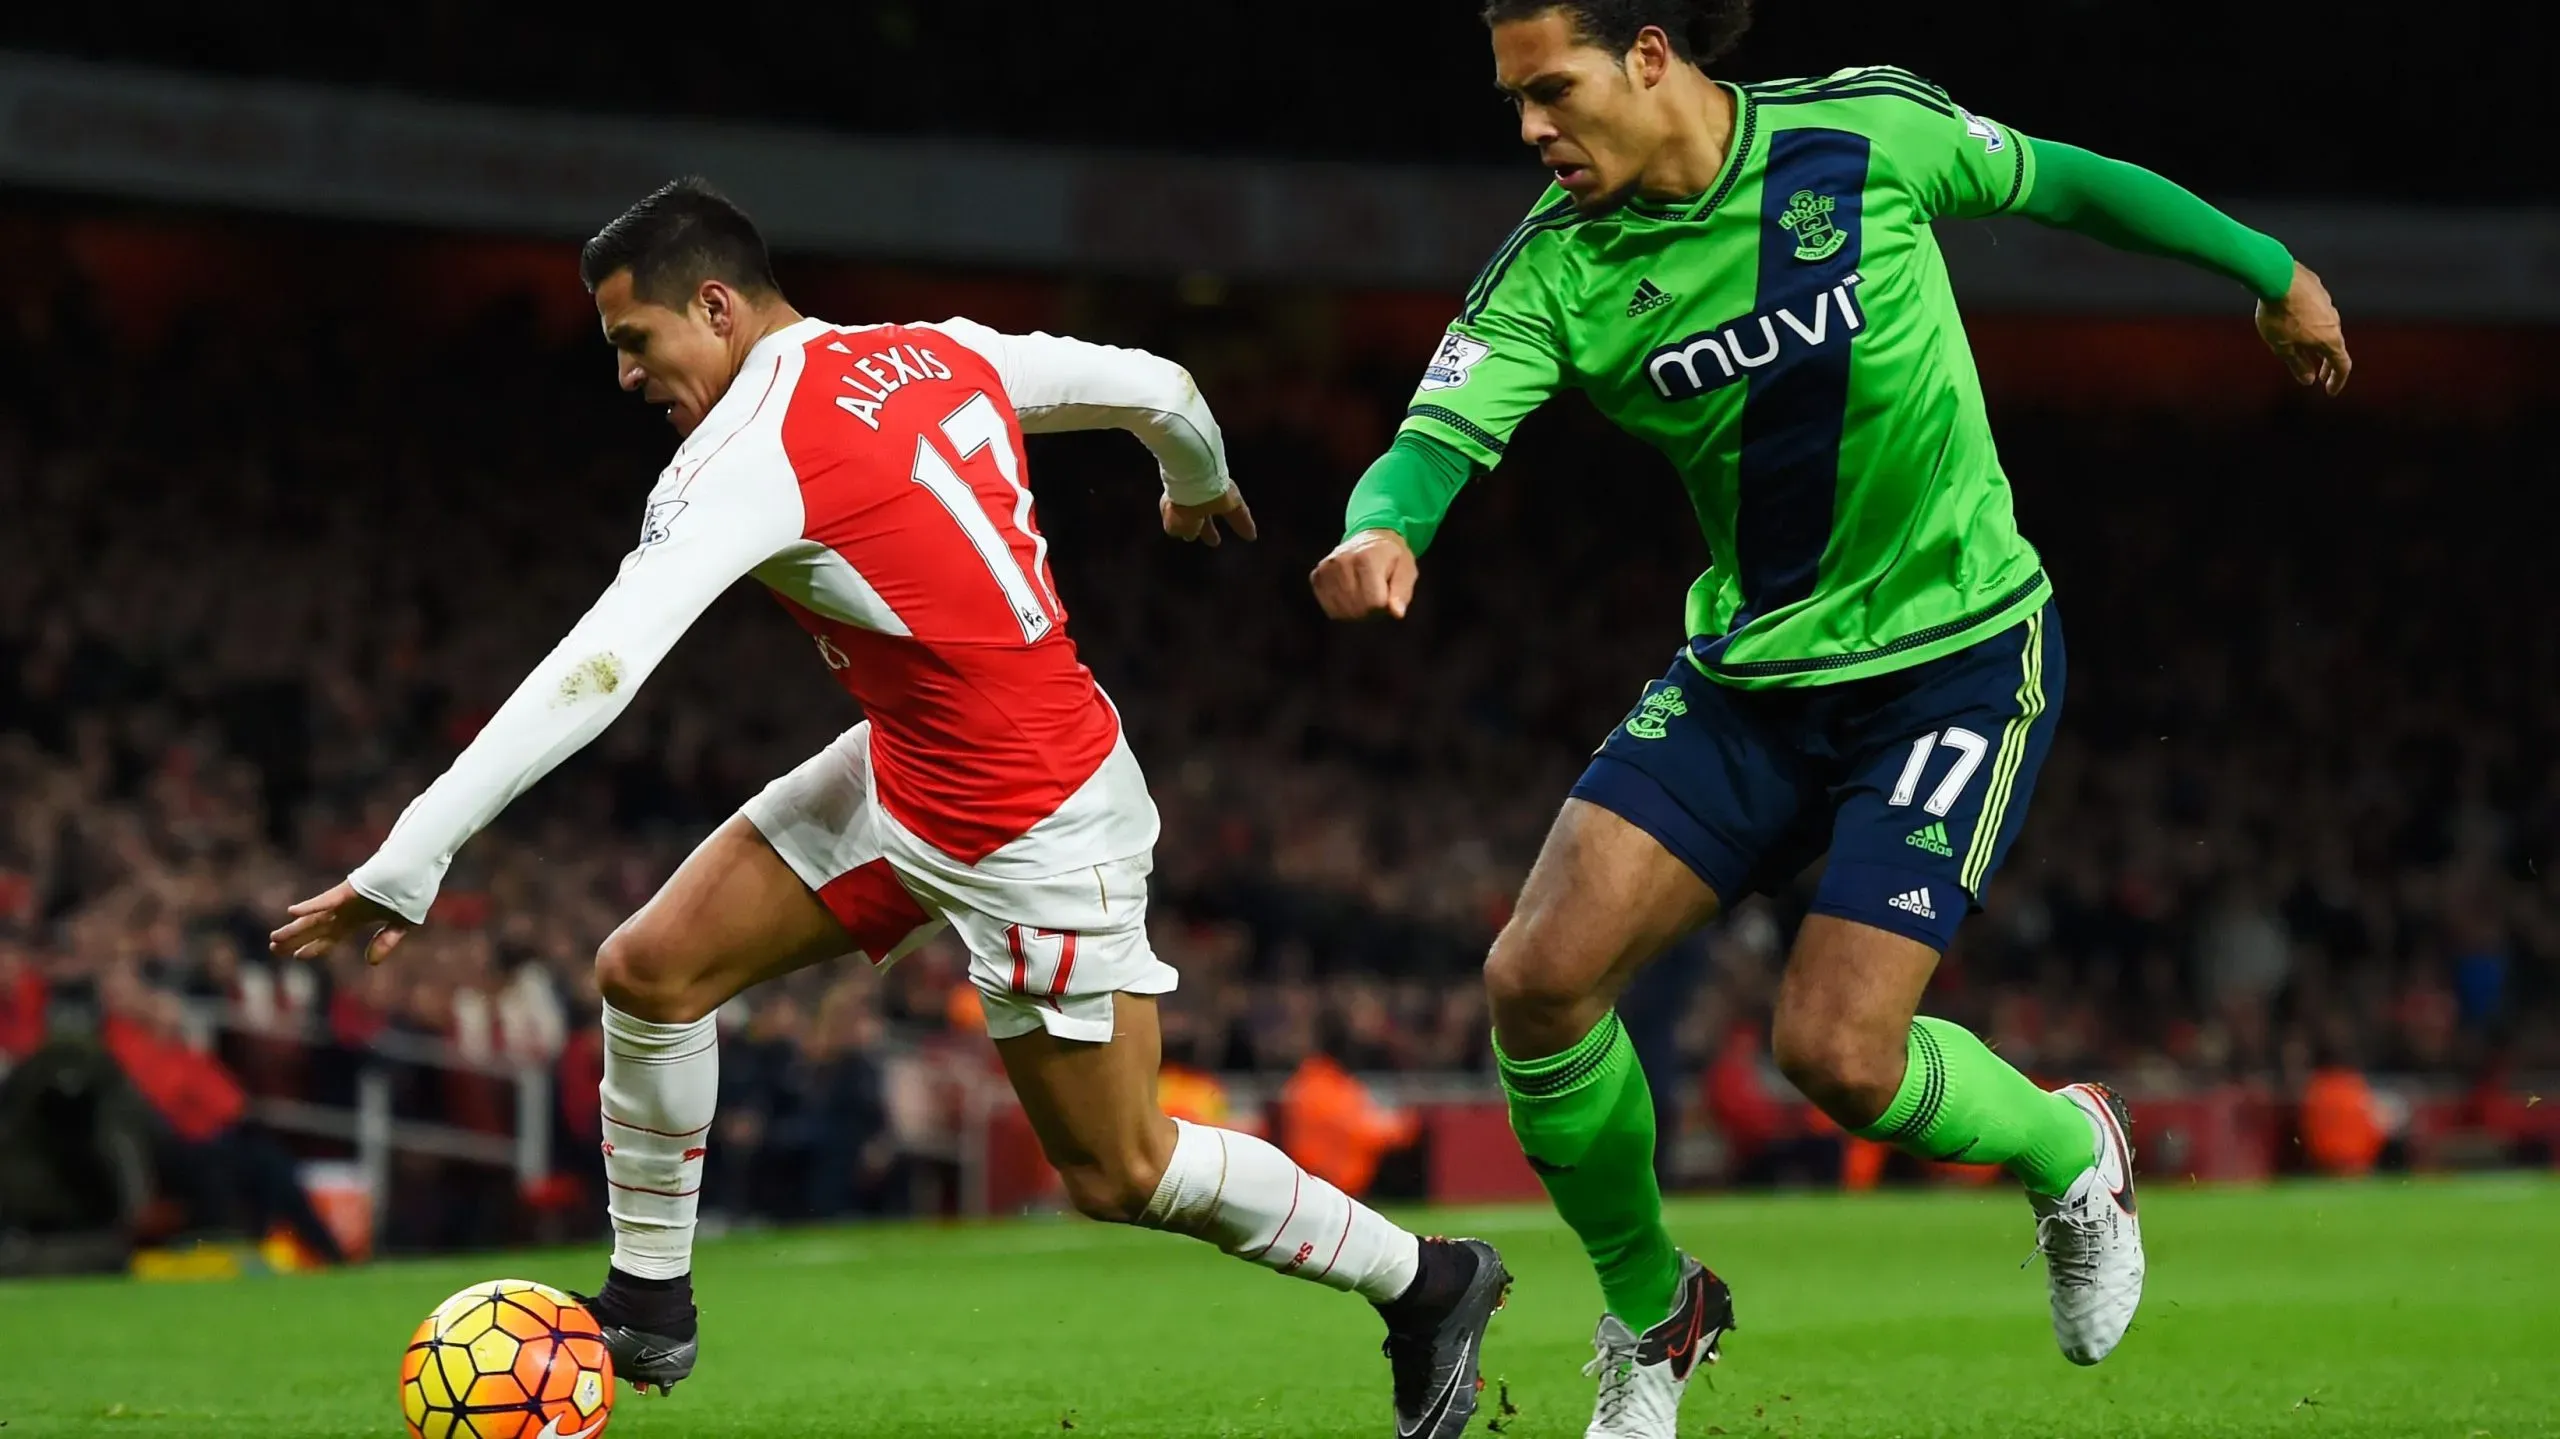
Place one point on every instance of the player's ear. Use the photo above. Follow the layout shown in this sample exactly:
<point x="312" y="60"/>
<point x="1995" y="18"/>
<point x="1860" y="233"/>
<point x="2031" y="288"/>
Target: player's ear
<point x="719" y="307"/>
<point x="1651" y="58"/>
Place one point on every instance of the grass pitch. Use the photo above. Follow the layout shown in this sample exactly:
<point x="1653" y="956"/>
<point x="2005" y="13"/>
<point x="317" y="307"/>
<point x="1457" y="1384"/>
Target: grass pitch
<point x="2391" y="1309"/>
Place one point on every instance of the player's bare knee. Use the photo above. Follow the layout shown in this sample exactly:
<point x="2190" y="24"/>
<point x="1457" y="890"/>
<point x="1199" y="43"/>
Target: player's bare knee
<point x="1115" y="1193"/>
<point x="1533" y="990"/>
<point x="644" y="979"/>
<point x="1117" y="1186"/>
<point x="1849" y="1073"/>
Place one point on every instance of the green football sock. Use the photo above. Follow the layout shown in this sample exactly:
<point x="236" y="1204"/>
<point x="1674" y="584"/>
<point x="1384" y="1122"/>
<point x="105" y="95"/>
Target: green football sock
<point x="1960" y="1103"/>
<point x="1585" y="1119"/>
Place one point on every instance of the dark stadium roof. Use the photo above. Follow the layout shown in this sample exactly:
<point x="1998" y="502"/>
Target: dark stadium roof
<point x="2234" y="98"/>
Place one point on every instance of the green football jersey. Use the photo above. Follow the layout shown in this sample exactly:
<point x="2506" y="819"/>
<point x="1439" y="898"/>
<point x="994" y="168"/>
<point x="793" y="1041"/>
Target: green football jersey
<point x="1789" y="340"/>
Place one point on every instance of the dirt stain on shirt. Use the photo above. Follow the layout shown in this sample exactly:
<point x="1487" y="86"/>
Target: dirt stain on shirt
<point x="595" y="676"/>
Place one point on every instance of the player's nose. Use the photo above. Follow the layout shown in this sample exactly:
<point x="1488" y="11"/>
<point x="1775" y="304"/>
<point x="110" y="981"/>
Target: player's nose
<point x="1535" y="128"/>
<point x="633" y="377"/>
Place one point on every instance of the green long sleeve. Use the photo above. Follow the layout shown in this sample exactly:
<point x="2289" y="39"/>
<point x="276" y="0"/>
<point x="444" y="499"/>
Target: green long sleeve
<point x="1409" y="490"/>
<point x="2131" y="208"/>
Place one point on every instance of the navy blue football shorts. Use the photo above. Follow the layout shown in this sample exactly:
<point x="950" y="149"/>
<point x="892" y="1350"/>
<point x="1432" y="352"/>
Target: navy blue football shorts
<point x="1914" y="782"/>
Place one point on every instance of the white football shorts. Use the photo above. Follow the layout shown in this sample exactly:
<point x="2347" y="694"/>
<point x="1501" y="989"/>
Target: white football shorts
<point x="1044" y="953"/>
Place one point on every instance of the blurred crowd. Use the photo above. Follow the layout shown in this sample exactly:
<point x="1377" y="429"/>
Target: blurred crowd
<point x="258" y="582"/>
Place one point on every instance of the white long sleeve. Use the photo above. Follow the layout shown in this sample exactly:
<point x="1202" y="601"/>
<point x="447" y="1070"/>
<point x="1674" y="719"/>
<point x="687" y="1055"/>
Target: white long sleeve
<point x="707" y="526"/>
<point x="1056" y="383"/>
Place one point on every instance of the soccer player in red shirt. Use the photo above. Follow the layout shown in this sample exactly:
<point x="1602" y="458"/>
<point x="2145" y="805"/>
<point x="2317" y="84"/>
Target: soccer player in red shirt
<point x="873" y="479"/>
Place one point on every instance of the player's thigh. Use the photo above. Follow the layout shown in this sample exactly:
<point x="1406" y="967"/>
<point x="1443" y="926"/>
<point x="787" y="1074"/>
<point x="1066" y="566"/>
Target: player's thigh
<point x="1093" y="1106"/>
<point x="1683" y="806"/>
<point x="1936" y="780"/>
<point x="796" y="877"/>
<point x="1604" y="897"/>
<point x="732" y="915"/>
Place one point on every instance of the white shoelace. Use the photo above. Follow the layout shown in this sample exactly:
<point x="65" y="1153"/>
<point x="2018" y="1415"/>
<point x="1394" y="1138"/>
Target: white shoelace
<point x="1615" y="1367"/>
<point x="2068" y="1239"/>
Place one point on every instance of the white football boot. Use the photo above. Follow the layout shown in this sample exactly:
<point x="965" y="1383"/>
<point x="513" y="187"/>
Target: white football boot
<point x="2090" y="1238"/>
<point x="1643" y="1375"/>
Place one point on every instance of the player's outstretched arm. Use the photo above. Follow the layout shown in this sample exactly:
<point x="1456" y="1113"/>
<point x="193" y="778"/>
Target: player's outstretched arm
<point x="2131" y="208"/>
<point x="1057" y="383"/>
<point x="733" y="520"/>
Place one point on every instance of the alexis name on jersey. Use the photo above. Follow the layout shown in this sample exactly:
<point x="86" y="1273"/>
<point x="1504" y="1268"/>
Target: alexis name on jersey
<point x="906" y="364"/>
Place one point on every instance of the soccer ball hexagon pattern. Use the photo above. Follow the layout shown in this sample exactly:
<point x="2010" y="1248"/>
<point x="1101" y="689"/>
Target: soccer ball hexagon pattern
<point x="508" y="1359"/>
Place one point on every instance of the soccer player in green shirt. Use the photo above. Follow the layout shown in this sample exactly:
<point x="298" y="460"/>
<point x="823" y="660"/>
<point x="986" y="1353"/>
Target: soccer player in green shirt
<point x="1744" y="277"/>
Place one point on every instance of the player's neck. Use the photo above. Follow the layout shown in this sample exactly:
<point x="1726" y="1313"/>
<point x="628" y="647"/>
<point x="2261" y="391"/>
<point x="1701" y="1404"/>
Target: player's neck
<point x="755" y="325"/>
<point x="766" y="319"/>
<point x="1692" y="155"/>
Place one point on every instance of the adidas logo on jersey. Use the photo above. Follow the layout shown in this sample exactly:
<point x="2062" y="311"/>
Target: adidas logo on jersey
<point x="1649" y="297"/>
<point x="1933" y="838"/>
<point x="1914" y="902"/>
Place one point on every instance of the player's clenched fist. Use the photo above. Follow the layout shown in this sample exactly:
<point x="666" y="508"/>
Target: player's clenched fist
<point x="1371" y="573"/>
<point x="2303" y="330"/>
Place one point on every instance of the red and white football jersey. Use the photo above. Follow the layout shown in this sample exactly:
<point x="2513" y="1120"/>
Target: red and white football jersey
<point x="873" y="479"/>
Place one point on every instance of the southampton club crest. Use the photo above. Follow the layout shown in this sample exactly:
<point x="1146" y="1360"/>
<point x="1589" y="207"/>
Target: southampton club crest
<point x="1655" y="712"/>
<point x="1808" y="218"/>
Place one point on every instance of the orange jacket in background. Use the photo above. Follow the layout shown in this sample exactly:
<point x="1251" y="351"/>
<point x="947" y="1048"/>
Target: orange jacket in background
<point x="1193" y="1095"/>
<point x="1330" y="1125"/>
<point x="2341" y="1124"/>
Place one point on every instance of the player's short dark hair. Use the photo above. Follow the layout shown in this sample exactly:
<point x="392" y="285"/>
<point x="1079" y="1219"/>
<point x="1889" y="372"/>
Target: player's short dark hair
<point x="679" y="235"/>
<point x="1702" y="31"/>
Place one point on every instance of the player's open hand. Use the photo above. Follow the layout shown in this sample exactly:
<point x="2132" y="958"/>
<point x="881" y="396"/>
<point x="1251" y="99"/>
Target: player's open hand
<point x="1371" y="573"/>
<point x="325" y="921"/>
<point x="2303" y="330"/>
<point x="1200" y="522"/>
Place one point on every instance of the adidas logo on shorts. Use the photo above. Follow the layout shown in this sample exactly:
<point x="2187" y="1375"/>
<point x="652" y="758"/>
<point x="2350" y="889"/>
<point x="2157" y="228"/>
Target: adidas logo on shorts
<point x="1914" y="902"/>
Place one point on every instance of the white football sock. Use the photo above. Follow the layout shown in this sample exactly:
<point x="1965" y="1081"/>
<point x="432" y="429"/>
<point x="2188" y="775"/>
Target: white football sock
<point x="1254" y="1202"/>
<point x="661" y="1085"/>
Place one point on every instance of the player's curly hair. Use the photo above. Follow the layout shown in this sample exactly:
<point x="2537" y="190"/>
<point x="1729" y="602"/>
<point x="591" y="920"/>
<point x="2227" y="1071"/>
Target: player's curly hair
<point x="1702" y="31"/>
